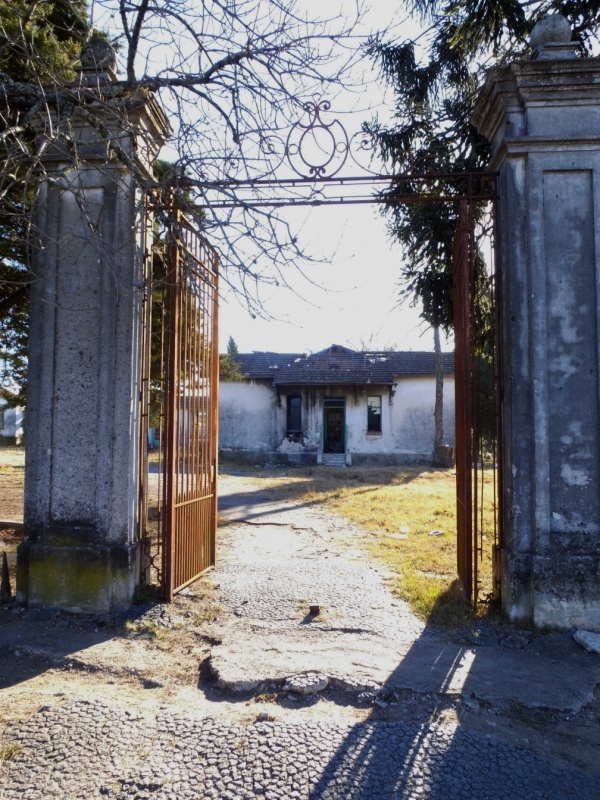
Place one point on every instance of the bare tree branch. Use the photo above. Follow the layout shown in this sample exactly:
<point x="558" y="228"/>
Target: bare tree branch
<point x="230" y="76"/>
<point x="134" y="39"/>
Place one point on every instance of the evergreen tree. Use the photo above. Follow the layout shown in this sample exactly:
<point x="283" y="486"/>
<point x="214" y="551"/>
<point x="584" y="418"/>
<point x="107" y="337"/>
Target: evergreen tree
<point x="229" y="368"/>
<point x="38" y="43"/>
<point x="436" y="79"/>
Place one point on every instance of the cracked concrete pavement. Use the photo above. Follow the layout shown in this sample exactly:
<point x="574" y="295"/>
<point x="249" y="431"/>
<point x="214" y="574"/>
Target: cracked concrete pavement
<point x="268" y="698"/>
<point x="289" y="557"/>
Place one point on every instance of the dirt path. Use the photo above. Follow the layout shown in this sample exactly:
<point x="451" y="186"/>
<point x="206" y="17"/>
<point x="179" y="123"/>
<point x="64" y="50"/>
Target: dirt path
<point x="153" y="657"/>
<point x="485" y="677"/>
<point x="229" y="645"/>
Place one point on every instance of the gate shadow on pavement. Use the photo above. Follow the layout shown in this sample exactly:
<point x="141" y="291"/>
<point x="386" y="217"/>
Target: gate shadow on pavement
<point x="33" y="641"/>
<point x="253" y="505"/>
<point x="393" y="760"/>
<point x="389" y="760"/>
<point x="37" y="640"/>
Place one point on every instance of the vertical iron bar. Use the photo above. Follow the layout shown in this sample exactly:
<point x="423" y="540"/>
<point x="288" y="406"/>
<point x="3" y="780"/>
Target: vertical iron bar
<point x="145" y="364"/>
<point x="498" y="460"/>
<point x="162" y="379"/>
<point x="214" y="405"/>
<point x="473" y="340"/>
<point x="463" y="410"/>
<point x="172" y="415"/>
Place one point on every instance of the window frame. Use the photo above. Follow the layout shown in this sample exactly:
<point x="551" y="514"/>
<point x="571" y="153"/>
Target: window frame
<point x="374" y="431"/>
<point x="293" y="411"/>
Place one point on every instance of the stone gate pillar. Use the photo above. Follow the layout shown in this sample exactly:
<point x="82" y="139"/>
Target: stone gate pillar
<point x="82" y="426"/>
<point x="542" y="117"/>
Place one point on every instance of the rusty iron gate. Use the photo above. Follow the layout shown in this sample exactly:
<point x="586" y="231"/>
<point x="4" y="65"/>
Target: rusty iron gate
<point x="179" y="534"/>
<point x="179" y="386"/>
<point x="477" y="410"/>
<point x="178" y="476"/>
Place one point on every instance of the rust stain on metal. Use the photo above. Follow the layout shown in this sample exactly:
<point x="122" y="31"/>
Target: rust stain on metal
<point x="478" y="451"/>
<point x="185" y="543"/>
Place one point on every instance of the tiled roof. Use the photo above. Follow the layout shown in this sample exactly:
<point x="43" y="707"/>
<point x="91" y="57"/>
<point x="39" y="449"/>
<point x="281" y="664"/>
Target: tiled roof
<point x="340" y="365"/>
<point x="264" y="365"/>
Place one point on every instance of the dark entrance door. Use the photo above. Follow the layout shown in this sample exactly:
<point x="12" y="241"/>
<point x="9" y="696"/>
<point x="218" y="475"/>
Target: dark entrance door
<point x="334" y="421"/>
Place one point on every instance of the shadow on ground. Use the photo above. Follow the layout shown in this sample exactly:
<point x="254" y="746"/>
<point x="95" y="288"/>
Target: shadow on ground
<point x="249" y="504"/>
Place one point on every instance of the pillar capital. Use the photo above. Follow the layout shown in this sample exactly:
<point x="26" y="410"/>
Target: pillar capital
<point x="536" y="103"/>
<point x="113" y="124"/>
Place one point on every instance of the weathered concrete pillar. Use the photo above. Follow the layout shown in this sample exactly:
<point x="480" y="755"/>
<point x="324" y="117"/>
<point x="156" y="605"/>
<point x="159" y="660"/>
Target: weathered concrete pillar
<point x="543" y="119"/>
<point x="81" y="478"/>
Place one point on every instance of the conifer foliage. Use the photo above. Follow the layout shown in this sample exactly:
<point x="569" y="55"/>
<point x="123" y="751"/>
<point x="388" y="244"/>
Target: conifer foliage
<point x="38" y="43"/>
<point x="435" y="79"/>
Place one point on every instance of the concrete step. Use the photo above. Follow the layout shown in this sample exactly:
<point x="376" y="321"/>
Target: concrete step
<point x="334" y="459"/>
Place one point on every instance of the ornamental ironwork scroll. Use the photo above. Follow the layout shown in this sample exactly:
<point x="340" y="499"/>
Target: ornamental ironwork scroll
<point x="304" y="167"/>
<point x="316" y="148"/>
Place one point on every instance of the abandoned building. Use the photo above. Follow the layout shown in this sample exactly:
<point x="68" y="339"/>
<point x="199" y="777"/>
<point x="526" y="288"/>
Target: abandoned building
<point x="337" y="406"/>
<point x="11" y="422"/>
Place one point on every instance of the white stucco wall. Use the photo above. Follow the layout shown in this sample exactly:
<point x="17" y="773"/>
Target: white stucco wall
<point x="11" y="422"/>
<point x="413" y="414"/>
<point x="251" y="420"/>
<point x="407" y="424"/>
<point x="359" y="440"/>
<point x="247" y="416"/>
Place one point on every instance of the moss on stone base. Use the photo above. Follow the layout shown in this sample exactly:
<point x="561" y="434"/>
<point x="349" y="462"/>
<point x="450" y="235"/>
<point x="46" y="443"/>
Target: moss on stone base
<point x="84" y="579"/>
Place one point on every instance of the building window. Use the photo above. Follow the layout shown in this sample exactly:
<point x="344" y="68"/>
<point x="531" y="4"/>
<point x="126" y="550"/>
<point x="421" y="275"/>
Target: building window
<point x="374" y="414"/>
<point x="294" y="413"/>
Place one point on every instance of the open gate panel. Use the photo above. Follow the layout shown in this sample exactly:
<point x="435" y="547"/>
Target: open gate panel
<point x="191" y="419"/>
<point x="477" y="408"/>
<point x="178" y="499"/>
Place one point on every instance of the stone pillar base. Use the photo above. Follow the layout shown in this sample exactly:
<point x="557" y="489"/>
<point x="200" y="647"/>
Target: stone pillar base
<point x="566" y="592"/>
<point x="555" y="591"/>
<point x="85" y="579"/>
<point x="517" y="595"/>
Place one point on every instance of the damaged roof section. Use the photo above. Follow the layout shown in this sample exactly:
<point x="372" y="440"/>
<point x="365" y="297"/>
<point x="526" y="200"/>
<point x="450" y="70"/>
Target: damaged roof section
<point x="337" y="364"/>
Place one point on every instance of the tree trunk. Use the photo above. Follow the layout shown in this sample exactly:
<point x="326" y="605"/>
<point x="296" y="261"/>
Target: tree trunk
<point x="438" y="437"/>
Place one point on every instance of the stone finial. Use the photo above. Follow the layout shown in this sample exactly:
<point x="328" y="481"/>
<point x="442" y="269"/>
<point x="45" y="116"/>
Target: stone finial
<point x="550" y="30"/>
<point x="98" y="57"/>
<point x="551" y="38"/>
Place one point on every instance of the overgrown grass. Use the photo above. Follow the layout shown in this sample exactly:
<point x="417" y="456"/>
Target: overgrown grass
<point x="400" y="507"/>
<point x="10" y="751"/>
<point x="208" y="609"/>
<point x="12" y="479"/>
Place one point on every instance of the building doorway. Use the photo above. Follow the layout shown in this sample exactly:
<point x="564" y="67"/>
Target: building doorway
<point x="334" y="425"/>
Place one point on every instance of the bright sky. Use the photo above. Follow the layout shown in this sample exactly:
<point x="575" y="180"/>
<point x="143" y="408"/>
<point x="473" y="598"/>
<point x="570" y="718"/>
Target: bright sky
<point x="353" y="299"/>
<point x="351" y="295"/>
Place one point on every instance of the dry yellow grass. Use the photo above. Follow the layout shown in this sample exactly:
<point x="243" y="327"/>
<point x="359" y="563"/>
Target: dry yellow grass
<point x="12" y="474"/>
<point x="400" y="507"/>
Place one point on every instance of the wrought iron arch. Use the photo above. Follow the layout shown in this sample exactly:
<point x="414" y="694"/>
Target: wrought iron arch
<point x="316" y="153"/>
